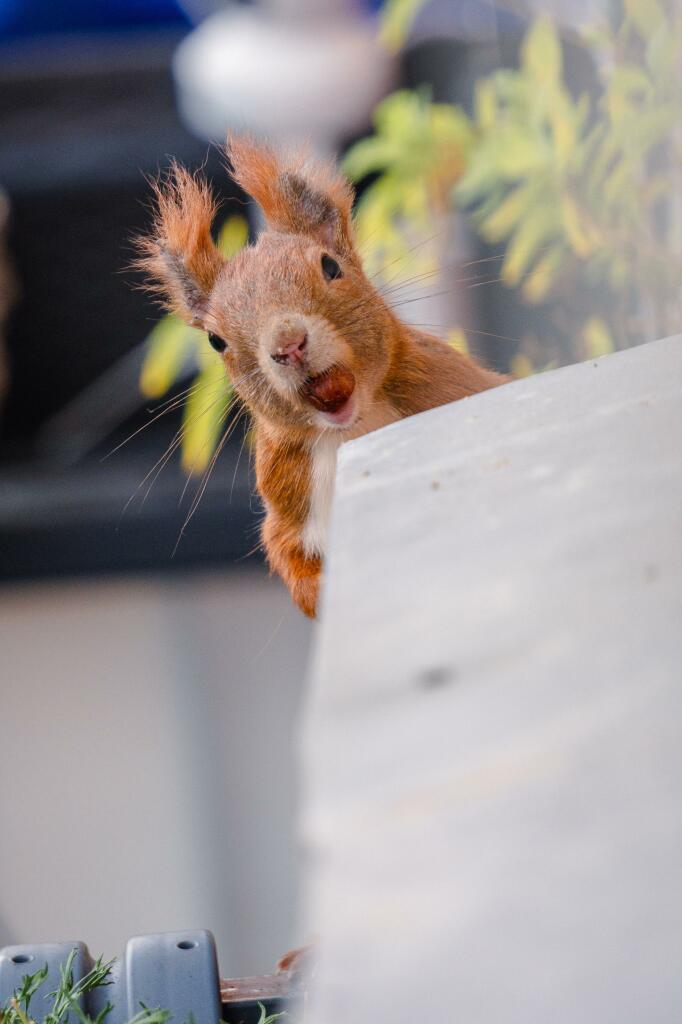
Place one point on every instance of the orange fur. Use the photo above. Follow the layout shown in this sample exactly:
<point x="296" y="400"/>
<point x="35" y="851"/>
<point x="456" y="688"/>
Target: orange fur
<point x="279" y="462"/>
<point x="270" y="179"/>
<point x="278" y="290"/>
<point x="179" y="256"/>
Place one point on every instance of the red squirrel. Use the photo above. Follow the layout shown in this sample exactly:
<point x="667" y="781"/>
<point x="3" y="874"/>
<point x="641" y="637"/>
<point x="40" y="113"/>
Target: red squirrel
<point x="311" y="347"/>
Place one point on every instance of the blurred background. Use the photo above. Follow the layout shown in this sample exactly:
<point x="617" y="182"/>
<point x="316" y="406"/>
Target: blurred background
<point x="518" y="170"/>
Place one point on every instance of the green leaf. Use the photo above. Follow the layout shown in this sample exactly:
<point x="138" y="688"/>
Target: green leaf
<point x="457" y="339"/>
<point x="604" y="148"/>
<point x="479" y="178"/>
<point x="402" y="114"/>
<point x="397" y="17"/>
<point x="518" y="152"/>
<point x="631" y="80"/>
<point x="541" y="52"/>
<point x="597" y="338"/>
<point x="104" y="1013"/>
<point x="628" y="86"/>
<point x="500" y="223"/>
<point x="646" y="16"/>
<point x="543" y="275"/>
<point x="564" y="120"/>
<point x="233" y="236"/>
<point x="271" y="1019"/>
<point x="521" y="365"/>
<point x="485" y="104"/>
<point x="449" y="124"/>
<point x="374" y="226"/>
<point x="169" y="345"/>
<point x="539" y="226"/>
<point x="369" y="156"/>
<point x="620" y="275"/>
<point x="203" y="417"/>
<point x="148" y="1015"/>
<point x="661" y="51"/>
<point x="580" y="233"/>
<point x="30" y="983"/>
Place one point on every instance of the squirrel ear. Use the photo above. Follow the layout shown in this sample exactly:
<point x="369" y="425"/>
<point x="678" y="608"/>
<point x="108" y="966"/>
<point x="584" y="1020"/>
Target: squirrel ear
<point x="179" y="255"/>
<point x="298" y="196"/>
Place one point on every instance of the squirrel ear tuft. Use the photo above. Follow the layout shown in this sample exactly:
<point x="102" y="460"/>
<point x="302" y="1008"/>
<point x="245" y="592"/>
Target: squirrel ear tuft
<point x="179" y="255"/>
<point x="298" y="195"/>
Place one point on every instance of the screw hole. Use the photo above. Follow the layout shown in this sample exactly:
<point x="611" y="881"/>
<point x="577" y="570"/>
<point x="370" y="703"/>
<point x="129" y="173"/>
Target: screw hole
<point x="187" y="944"/>
<point x="22" y="958"/>
<point x="436" y="676"/>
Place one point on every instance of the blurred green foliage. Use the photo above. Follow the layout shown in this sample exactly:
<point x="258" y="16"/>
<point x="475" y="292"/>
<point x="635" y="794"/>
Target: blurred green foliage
<point x="584" y="194"/>
<point x="418" y="149"/>
<point x="172" y="347"/>
<point x="396" y="19"/>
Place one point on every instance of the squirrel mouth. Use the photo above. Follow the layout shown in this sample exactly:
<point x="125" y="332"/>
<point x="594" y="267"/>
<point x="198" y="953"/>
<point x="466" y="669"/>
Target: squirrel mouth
<point x="329" y="392"/>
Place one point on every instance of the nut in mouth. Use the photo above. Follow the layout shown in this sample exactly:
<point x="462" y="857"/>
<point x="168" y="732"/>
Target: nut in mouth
<point x="330" y="391"/>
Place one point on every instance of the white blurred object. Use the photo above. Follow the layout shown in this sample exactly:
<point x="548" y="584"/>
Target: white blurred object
<point x="287" y="69"/>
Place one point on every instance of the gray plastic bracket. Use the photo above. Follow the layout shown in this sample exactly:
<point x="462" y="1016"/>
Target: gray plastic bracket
<point x="18" y="961"/>
<point x="177" y="971"/>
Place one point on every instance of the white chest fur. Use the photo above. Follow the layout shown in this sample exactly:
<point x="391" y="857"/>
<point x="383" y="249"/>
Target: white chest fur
<point x="322" y="476"/>
<point x="323" y="472"/>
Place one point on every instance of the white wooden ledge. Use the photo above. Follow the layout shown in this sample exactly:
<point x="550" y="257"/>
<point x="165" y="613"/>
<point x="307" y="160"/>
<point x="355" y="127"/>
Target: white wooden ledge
<point x="493" y="749"/>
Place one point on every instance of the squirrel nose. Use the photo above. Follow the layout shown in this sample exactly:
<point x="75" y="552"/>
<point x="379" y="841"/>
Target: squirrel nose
<point x="289" y="348"/>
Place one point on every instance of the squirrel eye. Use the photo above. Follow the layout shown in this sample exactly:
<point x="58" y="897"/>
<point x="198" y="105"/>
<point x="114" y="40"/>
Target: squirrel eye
<point x="217" y="342"/>
<point x="330" y="268"/>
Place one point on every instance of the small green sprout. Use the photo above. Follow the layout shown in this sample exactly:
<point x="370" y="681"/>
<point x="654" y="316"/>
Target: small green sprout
<point x="268" y="1019"/>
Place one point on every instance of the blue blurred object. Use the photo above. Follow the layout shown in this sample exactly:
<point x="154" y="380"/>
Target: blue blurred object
<point x="36" y="17"/>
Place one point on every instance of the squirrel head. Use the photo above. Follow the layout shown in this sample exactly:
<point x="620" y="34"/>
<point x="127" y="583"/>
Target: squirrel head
<point x="302" y="331"/>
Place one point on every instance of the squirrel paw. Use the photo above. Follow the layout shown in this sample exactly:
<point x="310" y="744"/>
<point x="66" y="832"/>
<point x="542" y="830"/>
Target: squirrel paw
<point x="305" y="594"/>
